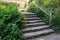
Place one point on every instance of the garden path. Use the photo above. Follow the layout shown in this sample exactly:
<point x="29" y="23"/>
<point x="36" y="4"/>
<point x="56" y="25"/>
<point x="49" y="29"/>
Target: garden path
<point x="54" y="36"/>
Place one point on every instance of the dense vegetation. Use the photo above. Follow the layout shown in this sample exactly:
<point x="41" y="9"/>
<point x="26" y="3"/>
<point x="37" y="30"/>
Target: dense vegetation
<point x="10" y="22"/>
<point x="52" y="6"/>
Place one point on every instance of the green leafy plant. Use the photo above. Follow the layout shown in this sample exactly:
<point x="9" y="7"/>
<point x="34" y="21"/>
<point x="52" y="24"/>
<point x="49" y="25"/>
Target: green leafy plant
<point x="10" y="22"/>
<point x="51" y="5"/>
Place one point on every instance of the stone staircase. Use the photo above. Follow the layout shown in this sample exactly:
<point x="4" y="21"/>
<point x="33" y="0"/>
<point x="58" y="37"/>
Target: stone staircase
<point x="35" y="26"/>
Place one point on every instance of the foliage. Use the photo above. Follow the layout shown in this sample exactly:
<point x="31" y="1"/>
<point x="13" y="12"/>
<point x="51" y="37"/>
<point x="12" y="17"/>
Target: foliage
<point x="54" y="6"/>
<point x="56" y="22"/>
<point x="10" y="21"/>
<point x="48" y="5"/>
<point x="32" y="9"/>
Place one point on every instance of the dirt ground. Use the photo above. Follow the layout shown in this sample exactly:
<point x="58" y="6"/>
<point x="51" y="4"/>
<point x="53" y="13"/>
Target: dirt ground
<point x="53" y="36"/>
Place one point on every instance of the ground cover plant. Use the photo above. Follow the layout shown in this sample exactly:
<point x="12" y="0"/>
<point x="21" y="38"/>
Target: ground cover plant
<point x="10" y="22"/>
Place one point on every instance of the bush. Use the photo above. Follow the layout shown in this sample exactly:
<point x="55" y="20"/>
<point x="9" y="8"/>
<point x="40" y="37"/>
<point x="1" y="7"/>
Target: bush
<point x="32" y="8"/>
<point x="55" y="18"/>
<point x="10" y="22"/>
<point x="55" y="13"/>
<point x="56" y="22"/>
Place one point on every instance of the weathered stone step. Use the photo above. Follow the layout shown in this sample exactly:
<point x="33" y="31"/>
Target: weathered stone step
<point x="31" y="16"/>
<point x="29" y="13"/>
<point x="34" y="21"/>
<point x="32" y="29"/>
<point x="35" y="18"/>
<point x="38" y="33"/>
<point x="35" y="24"/>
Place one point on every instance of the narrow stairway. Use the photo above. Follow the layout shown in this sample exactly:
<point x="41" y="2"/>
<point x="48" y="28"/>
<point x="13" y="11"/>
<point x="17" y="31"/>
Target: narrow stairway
<point x="35" y="26"/>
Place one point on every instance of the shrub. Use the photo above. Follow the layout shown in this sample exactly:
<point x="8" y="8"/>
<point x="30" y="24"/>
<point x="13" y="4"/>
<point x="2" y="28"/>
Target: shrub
<point x="10" y="21"/>
<point x="56" y="22"/>
<point x="55" y="18"/>
<point x="32" y="8"/>
<point x="55" y="15"/>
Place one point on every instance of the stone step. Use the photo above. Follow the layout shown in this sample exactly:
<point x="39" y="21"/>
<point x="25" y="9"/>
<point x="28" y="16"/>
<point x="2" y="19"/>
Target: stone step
<point x="35" y="24"/>
<point x="32" y="29"/>
<point x="34" y="21"/>
<point x="31" y="16"/>
<point x="38" y="33"/>
<point x="29" y="13"/>
<point x="35" y="18"/>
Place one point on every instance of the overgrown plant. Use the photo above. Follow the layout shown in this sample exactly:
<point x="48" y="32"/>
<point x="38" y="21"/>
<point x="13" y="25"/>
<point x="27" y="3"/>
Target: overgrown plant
<point x="10" y="22"/>
<point x="51" y="5"/>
